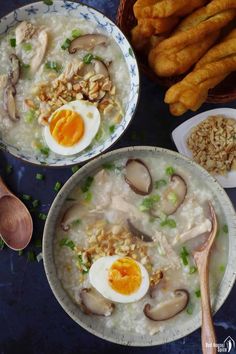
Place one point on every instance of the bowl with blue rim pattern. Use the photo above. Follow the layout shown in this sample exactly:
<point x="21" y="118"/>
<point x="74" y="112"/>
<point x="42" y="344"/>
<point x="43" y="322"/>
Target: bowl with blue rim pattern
<point x="38" y="152"/>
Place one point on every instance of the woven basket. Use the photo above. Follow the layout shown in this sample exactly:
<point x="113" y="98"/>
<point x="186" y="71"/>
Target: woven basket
<point x="224" y="92"/>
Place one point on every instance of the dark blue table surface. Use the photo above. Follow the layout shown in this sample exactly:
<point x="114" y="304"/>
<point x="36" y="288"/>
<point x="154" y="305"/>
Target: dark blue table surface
<point x="31" y="320"/>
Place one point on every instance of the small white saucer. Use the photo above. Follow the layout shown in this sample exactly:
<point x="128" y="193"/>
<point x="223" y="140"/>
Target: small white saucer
<point x="181" y="133"/>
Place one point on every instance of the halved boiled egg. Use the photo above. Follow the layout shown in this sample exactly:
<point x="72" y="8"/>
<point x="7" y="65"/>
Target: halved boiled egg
<point x="72" y="127"/>
<point x="119" y="279"/>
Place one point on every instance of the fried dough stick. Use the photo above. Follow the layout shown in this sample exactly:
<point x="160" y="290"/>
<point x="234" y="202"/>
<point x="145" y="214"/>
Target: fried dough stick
<point x="192" y="38"/>
<point x="165" y="8"/>
<point x="214" y="67"/>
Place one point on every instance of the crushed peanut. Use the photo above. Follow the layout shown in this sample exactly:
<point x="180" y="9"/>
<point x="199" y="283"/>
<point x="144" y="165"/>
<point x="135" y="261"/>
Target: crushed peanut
<point x="213" y="144"/>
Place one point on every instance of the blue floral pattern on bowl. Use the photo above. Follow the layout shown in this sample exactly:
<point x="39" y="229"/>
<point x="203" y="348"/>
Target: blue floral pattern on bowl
<point x="80" y="11"/>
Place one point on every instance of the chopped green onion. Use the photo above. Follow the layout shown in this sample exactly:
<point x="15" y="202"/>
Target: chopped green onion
<point x="20" y="253"/>
<point x="2" y="244"/>
<point x="148" y="202"/>
<point x="189" y="309"/>
<point x="168" y="222"/>
<point x="184" y="256"/>
<point x="76" y="222"/>
<point x="225" y="229"/>
<point x="68" y="243"/>
<point x="31" y="257"/>
<point x="52" y="65"/>
<point x="75" y="168"/>
<point x="26" y="197"/>
<point x="109" y="166"/>
<point x="112" y="128"/>
<point x="88" y="196"/>
<point x="160" y="183"/>
<point x="87" y="59"/>
<point x="27" y="47"/>
<point x="35" y="203"/>
<point x="170" y="170"/>
<point x="38" y="243"/>
<point x="42" y="216"/>
<point x="44" y="150"/>
<point x="76" y="33"/>
<point x="30" y="116"/>
<point x="57" y="186"/>
<point x="9" y="169"/>
<point x="39" y="176"/>
<point x="192" y="270"/>
<point x="198" y="293"/>
<point x="12" y="42"/>
<point x="222" y="268"/>
<point x="48" y="2"/>
<point x="87" y="184"/>
<point x="172" y="197"/>
<point x="24" y="66"/>
<point x="66" y="44"/>
<point x="99" y="134"/>
<point x="160" y="250"/>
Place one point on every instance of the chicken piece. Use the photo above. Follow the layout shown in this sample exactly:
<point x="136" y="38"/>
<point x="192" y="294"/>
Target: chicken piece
<point x="194" y="232"/>
<point x="40" y="51"/>
<point x="72" y="68"/>
<point x="120" y="204"/>
<point x="24" y="31"/>
<point x="170" y="255"/>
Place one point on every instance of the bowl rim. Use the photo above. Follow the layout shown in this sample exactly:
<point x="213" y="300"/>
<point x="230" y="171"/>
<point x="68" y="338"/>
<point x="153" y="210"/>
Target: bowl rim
<point x="4" y="146"/>
<point x="228" y="279"/>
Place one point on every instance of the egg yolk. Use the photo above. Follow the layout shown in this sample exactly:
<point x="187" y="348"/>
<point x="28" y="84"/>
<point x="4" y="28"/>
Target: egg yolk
<point x="67" y="127"/>
<point x="124" y="276"/>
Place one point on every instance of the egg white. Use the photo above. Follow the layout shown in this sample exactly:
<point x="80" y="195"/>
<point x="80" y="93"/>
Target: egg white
<point x="91" y="118"/>
<point x="98" y="277"/>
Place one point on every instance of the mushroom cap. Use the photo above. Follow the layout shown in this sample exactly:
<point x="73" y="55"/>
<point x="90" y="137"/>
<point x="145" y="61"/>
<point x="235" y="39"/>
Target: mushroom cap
<point x="169" y="308"/>
<point x="138" y="176"/>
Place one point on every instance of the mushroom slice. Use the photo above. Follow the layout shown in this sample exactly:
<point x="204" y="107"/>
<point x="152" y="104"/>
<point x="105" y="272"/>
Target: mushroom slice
<point x="138" y="176"/>
<point x="169" y="308"/>
<point x="14" y="72"/>
<point x="138" y="233"/>
<point x="70" y="215"/>
<point x="9" y="103"/>
<point x="94" y="303"/>
<point x="172" y="198"/>
<point x="40" y="51"/>
<point x="87" y="42"/>
<point x="100" y="67"/>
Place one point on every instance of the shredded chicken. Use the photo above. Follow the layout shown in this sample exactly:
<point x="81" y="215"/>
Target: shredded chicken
<point x="70" y="70"/>
<point x="194" y="232"/>
<point x="24" y="31"/>
<point x="170" y="255"/>
<point x="118" y="203"/>
<point x="40" y="51"/>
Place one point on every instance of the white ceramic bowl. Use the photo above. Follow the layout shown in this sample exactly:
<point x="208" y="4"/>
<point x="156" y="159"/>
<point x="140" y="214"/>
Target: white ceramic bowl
<point x="94" y="324"/>
<point x="80" y="11"/>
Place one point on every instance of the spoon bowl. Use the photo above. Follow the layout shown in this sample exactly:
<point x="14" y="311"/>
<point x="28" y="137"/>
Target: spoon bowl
<point x="16" y="226"/>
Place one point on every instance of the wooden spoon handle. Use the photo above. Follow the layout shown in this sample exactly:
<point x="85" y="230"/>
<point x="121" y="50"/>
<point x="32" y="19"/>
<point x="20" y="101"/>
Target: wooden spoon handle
<point x="3" y="189"/>
<point x="208" y="332"/>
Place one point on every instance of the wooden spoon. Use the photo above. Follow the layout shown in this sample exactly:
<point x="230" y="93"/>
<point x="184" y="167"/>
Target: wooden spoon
<point x="201" y="257"/>
<point x="16" y="226"/>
